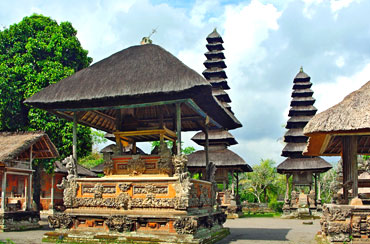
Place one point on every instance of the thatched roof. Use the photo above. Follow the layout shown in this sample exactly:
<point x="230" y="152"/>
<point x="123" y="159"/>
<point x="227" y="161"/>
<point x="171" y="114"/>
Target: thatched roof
<point x="136" y="78"/>
<point x="99" y="169"/>
<point x="81" y="171"/>
<point x="315" y="164"/>
<point x="223" y="158"/>
<point x="349" y="117"/>
<point x="215" y="137"/>
<point x="17" y="145"/>
<point x="214" y="37"/>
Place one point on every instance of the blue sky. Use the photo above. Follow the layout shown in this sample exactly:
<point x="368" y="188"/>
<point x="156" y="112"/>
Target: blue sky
<point x="266" y="42"/>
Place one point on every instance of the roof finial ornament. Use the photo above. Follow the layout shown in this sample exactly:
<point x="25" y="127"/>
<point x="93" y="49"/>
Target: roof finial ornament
<point x="301" y="69"/>
<point x="147" y="40"/>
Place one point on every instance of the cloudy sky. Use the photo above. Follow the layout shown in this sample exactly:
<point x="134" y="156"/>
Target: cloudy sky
<point x="266" y="42"/>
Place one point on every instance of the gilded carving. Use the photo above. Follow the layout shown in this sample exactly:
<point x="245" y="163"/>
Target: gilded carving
<point x="124" y="186"/>
<point x="150" y="188"/>
<point x="186" y="225"/>
<point x="119" y="223"/>
<point x="60" y="221"/>
<point x="136" y="166"/>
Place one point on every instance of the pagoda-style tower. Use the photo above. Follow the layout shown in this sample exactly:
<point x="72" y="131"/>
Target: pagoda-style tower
<point x="215" y="66"/>
<point x="227" y="164"/>
<point x="302" y="168"/>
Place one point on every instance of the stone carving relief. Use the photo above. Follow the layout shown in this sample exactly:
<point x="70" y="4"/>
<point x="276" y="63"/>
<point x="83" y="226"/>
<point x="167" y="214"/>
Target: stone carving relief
<point x="294" y="199"/>
<point x="311" y="199"/>
<point x="180" y="164"/>
<point x="211" y="172"/>
<point x="136" y="166"/>
<point x="60" y="221"/>
<point x="184" y="184"/>
<point x="356" y="226"/>
<point x="108" y="167"/>
<point x="165" y="161"/>
<point x="69" y="191"/>
<point x="368" y="225"/>
<point x="338" y="213"/>
<point x="151" y="202"/>
<point x="186" y="225"/>
<point x="119" y="223"/>
<point x="150" y="188"/>
<point x="124" y="186"/>
<point x="204" y="198"/>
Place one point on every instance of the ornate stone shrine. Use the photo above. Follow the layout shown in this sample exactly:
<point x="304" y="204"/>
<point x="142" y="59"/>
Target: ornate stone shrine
<point x="142" y="93"/>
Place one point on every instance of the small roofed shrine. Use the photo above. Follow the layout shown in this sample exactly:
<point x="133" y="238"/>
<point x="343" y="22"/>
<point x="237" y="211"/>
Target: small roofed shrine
<point x="142" y="93"/>
<point x="227" y="164"/>
<point x="18" y="150"/>
<point x="344" y="130"/>
<point x="303" y="169"/>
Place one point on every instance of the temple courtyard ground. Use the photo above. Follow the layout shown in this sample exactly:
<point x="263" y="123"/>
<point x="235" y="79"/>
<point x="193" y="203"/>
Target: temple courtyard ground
<point x="243" y="231"/>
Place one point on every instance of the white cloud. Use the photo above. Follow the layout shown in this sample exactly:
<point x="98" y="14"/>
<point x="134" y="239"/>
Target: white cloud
<point x="340" y="62"/>
<point x="337" y="5"/>
<point x="330" y="93"/>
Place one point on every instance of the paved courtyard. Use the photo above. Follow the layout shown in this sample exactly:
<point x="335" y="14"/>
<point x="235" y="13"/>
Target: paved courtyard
<point x="243" y="231"/>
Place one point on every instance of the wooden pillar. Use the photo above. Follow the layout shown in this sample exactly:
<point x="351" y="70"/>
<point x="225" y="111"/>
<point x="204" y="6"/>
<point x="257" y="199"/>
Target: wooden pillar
<point x="178" y="127"/>
<point x="224" y="185"/>
<point x="206" y="145"/>
<point x="237" y="183"/>
<point x="25" y="194"/>
<point x="74" y="148"/>
<point x="287" y="186"/>
<point x="29" y="193"/>
<point x="232" y="183"/>
<point x="119" y="128"/>
<point x="349" y="158"/>
<point x="318" y="188"/>
<point x="315" y="189"/>
<point x="3" y="192"/>
<point x="51" y="206"/>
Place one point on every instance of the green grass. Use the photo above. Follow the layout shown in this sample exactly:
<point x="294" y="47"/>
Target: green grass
<point x="260" y="215"/>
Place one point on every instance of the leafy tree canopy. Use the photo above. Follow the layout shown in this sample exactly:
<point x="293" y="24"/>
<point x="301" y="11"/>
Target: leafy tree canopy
<point x="35" y="53"/>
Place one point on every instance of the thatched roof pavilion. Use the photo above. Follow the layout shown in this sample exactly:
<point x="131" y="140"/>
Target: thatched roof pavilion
<point x="137" y="81"/>
<point x="349" y="117"/>
<point x="343" y="129"/>
<point x="17" y="146"/>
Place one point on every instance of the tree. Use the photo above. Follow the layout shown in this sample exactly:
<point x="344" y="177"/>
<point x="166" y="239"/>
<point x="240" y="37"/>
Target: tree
<point x="185" y="150"/>
<point x="262" y="182"/>
<point x="35" y="53"/>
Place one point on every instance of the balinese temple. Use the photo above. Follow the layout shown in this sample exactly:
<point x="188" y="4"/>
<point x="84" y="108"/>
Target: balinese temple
<point x="344" y="130"/>
<point x="226" y="162"/>
<point x="303" y="169"/>
<point x="228" y="165"/>
<point x="140" y="94"/>
<point x="17" y="151"/>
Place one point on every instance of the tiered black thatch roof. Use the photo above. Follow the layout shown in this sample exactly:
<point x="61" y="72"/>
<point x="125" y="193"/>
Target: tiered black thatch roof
<point x="301" y="111"/>
<point x="144" y="81"/>
<point x="215" y="66"/>
<point x="219" y="140"/>
<point x="349" y="117"/>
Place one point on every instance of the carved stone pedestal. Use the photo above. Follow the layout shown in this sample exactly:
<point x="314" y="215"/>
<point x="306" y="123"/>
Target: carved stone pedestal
<point x="21" y="220"/>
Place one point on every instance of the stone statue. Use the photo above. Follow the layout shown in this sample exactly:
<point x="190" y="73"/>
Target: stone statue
<point x="70" y="164"/>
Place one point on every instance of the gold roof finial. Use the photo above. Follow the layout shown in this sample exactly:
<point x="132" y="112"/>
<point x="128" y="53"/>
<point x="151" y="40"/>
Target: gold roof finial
<point x="147" y="40"/>
<point x="301" y="69"/>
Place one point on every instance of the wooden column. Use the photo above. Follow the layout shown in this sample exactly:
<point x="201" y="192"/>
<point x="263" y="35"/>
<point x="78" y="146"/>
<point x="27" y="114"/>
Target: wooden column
<point x="25" y="194"/>
<point x="29" y="193"/>
<point x="119" y="128"/>
<point x="51" y="206"/>
<point x="349" y="158"/>
<point x="178" y="127"/>
<point x="3" y="191"/>
<point x="315" y="177"/>
<point x="206" y="146"/>
<point x="224" y="185"/>
<point x="74" y="148"/>
<point x="237" y="183"/>
<point x="318" y="188"/>
<point x="232" y="183"/>
<point x="287" y="186"/>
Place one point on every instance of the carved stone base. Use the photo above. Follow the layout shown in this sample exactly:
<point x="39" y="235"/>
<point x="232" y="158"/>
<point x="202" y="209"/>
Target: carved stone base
<point x="21" y="220"/>
<point x="197" y="229"/>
